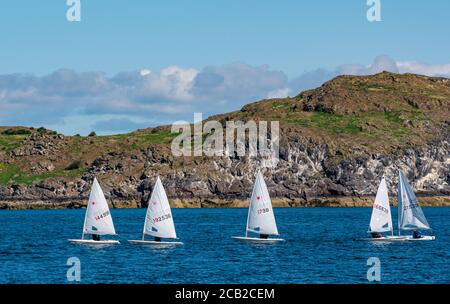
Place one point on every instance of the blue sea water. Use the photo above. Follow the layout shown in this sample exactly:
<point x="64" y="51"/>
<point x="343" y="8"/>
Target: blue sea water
<point x="319" y="248"/>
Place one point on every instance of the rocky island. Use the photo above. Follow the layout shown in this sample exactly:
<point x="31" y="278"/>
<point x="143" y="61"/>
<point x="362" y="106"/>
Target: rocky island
<point x="336" y="142"/>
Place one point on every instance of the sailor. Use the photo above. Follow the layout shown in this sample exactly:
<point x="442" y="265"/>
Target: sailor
<point x="416" y="234"/>
<point x="96" y="237"/>
<point x="263" y="236"/>
<point x="376" y="235"/>
<point x="157" y="239"/>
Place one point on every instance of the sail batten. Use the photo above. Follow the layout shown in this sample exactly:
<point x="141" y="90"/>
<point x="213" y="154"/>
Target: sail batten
<point x="411" y="216"/>
<point x="381" y="219"/>
<point x="158" y="219"/>
<point x="261" y="218"/>
<point x="98" y="218"/>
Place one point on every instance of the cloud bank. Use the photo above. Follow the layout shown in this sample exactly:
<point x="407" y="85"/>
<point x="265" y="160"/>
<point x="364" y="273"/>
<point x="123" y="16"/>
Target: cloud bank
<point x="73" y="102"/>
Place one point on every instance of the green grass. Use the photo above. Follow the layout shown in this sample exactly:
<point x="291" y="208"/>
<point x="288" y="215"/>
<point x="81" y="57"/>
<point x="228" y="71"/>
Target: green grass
<point x="368" y="87"/>
<point x="12" y="174"/>
<point x="329" y="122"/>
<point x="279" y="104"/>
<point x="435" y="95"/>
<point x="10" y="142"/>
<point x="144" y="139"/>
<point x="393" y="117"/>
<point x="376" y="125"/>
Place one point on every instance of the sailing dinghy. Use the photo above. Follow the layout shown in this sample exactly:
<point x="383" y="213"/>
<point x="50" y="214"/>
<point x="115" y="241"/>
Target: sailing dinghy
<point x="410" y="215"/>
<point x="97" y="220"/>
<point x="158" y="220"/>
<point x="381" y="220"/>
<point x="261" y="219"/>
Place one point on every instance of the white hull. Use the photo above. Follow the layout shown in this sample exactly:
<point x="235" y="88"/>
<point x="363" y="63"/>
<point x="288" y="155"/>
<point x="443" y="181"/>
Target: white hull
<point x="423" y="238"/>
<point x="141" y="242"/>
<point x="402" y="238"/>
<point x="92" y="242"/>
<point x="385" y="239"/>
<point x="256" y="240"/>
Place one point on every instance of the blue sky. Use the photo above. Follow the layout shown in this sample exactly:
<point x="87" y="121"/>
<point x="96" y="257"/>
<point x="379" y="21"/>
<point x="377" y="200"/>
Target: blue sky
<point x="278" y="47"/>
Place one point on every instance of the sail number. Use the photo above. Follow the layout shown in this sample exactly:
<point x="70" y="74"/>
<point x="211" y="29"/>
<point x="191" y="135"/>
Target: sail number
<point x="264" y="210"/>
<point x="103" y="215"/>
<point x="162" y="218"/>
<point x="410" y="206"/>
<point x="381" y="208"/>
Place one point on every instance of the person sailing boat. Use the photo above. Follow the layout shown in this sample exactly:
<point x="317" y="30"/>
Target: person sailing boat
<point x="97" y="220"/>
<point x="410" y="214"/>
<point x="417" y="235"/>
<point x="158" y="219"/>
<point x="376" y="235"/>
<point x="381" y="219"/>
<point x="260" y="218"/>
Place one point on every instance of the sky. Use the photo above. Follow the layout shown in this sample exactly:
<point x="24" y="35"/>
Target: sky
<point x="140" y="63"/>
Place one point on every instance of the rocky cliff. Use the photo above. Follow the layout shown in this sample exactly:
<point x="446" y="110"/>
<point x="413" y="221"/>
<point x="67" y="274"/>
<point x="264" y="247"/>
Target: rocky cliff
<point x="336" y="142"/>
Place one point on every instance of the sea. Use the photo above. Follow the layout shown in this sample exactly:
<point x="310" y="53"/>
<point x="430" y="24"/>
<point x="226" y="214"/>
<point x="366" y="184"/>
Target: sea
<point x="320" y="247"/>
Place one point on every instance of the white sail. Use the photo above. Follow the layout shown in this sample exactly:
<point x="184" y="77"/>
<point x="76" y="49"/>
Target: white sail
<point x="98" y="218"/>
<point x="411" y="216"/>
<point x="158" y="220"/>
<point x="261" y="218"/>
<point x="381" y="220"/>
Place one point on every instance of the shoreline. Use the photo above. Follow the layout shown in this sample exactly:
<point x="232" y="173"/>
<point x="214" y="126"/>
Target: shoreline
<point x="330" y="202"/>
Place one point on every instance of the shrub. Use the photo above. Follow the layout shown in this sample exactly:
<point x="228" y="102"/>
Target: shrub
<point x="76" y="164"/>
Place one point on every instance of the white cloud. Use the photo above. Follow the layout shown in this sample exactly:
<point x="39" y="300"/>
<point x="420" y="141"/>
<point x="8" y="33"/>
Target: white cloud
<point x="279" y="93"/>
<point x="423" y="68"/>
<point x="145" y="72"/>
<point x="380" y="64"/>
<point x="237" y="82"/>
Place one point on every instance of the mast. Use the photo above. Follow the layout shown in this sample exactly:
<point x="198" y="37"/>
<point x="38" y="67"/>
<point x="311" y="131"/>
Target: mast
<point x="391" y="226"/>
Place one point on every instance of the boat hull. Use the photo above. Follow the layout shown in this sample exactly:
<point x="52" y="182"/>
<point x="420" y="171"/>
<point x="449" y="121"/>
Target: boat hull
<point x="423" y="238"/>
<point x="92" y="242"/>
<point x="384" y="239"/>
<point x="402" y="238"/>
<point x="256" y="240"/>
<point x="152" y="243"/>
